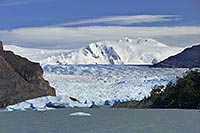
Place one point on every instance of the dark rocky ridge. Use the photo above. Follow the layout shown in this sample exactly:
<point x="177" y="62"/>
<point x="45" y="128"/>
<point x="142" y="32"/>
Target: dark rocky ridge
<point x="20" y="79"/>
<point x="134" y="104"/>
<point x="189" y="58"/>
<point x="1" y="45"/>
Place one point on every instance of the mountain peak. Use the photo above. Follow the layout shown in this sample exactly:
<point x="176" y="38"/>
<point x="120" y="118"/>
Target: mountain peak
<point x="99" y="51"/>
<point x="149" y="41"/>
<point x="125" y="39"/>
<point x="142" y="41"/>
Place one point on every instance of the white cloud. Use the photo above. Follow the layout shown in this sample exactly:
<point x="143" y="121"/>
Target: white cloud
<point x="125" y="20"/>
<point x="68" y="37"/>
<point x="13" y="2"/>
<point x="16" y="2"/>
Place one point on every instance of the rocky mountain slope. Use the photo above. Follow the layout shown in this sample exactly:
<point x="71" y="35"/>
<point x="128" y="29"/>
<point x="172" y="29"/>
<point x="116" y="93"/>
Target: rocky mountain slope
<point x="188" y="58"/>
<point x="20" y="79"/>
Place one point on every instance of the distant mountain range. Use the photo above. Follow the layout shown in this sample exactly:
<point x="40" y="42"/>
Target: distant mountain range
<point x="188" y="58"/>
<point x="123" y="51"/>
<point x="140" y="51"/>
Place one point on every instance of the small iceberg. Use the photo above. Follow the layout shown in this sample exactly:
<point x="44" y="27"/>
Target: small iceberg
<point x="80" y="114"/>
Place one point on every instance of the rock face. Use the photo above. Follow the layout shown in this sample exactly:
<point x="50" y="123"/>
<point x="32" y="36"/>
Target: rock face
<point x="1" y="45"/>
<point x="94" y="106"/>
<point x="134" y="104"/>
<point x="20" y="79"/>
<point x="189" y="58"/>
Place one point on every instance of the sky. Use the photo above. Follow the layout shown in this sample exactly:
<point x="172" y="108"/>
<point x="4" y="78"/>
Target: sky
<point x="76" y="23"/>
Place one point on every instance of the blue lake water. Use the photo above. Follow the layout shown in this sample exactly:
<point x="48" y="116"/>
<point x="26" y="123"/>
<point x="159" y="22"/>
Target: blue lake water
<point x="103" y="120"/>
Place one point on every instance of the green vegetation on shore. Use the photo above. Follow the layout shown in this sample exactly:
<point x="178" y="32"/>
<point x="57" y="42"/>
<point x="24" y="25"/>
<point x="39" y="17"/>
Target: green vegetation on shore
<point x="184" y="93"/>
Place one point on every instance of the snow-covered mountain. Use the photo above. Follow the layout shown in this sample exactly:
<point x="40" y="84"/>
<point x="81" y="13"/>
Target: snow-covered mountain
<point x="92" y="54"/>
<point x="123" y="51"/>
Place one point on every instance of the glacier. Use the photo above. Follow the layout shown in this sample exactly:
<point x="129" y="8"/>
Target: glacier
<point x="99" y="84"/>
<point x="101" y="73"/>
<point x="103" y="84"/>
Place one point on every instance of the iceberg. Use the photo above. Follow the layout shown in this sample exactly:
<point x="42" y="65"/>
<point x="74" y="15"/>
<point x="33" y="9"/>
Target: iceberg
<point x="80" y="114"/>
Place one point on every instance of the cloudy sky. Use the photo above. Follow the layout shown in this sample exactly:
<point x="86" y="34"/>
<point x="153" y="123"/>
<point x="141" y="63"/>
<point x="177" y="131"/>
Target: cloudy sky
<point x="76" y="23"/>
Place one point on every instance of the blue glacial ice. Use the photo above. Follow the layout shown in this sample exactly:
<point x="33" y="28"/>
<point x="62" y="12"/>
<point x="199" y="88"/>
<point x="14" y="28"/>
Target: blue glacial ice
<point x="98" y="84"/>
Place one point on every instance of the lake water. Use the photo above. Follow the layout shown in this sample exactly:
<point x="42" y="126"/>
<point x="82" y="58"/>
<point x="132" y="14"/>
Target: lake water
<point x="103" y="120"/>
